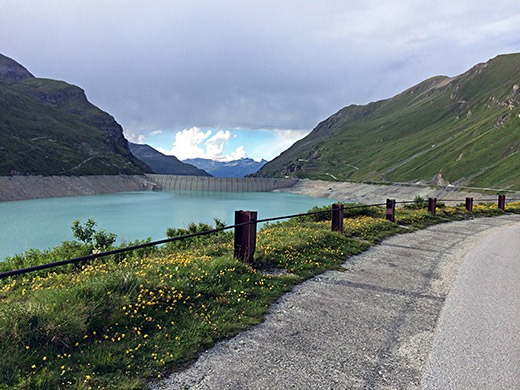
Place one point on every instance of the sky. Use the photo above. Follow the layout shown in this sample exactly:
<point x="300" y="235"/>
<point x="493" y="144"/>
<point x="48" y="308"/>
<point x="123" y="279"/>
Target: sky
<point x="232" y="79"/>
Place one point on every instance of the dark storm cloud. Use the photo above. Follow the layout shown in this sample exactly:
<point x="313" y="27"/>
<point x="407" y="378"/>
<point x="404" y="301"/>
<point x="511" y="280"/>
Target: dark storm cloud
<point x="249" y="64"/>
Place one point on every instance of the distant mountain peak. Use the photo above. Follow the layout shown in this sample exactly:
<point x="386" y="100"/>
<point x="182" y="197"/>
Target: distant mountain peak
<point x="235" y="168"/>
<point x="12" y="70"/>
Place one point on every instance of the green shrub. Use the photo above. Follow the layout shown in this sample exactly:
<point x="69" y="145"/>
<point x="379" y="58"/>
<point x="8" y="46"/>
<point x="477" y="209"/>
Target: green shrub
<point x="192" y="229"/>
<point x="98" y="240"/>
<point x="350" y="210"/>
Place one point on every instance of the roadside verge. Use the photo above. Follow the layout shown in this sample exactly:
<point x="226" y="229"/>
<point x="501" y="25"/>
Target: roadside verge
<point x="370" y="326"/>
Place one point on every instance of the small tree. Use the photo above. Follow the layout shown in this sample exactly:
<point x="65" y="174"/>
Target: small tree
<point x="98" y="240"/>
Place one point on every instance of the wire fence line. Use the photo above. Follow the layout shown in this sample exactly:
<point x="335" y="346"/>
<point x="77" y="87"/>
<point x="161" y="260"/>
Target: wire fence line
<point x="207" y="232"/>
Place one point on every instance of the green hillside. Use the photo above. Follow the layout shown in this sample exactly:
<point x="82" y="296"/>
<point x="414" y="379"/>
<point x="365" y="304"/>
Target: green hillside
<point x="49" y="127"/>
<point x="465" y="129"/>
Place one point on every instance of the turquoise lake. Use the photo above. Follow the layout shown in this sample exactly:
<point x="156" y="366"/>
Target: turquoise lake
<point x="44" y="223"/>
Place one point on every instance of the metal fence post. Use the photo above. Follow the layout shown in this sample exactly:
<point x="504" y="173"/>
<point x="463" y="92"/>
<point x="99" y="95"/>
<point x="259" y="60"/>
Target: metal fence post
<point x="469" y="204"/>
<point x="432" y="205"/>
<point x="337" y="217"/>
<point x="501" y="202"/>
<point x="245" y="236"/>
<point x="390" y="209"/>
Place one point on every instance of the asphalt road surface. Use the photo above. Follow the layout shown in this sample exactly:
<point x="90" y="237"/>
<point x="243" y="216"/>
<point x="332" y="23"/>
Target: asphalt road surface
<point x="477" y="341"/>
<point x="373" y="325"/>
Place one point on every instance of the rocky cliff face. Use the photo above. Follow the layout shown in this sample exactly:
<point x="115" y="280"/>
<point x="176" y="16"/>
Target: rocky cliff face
<point x="12" y="70"/>
<point x="51" y="128"/>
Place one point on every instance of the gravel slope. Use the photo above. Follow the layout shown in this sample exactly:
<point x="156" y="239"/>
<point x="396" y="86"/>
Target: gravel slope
<point x="36" y="187"/>
<point x="371" y="193"/>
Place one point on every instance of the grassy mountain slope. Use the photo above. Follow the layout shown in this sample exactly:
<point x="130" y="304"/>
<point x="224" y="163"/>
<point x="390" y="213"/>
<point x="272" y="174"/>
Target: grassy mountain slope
<point x="163" y="164"/>
<point x="465" y="129"/>
<point x="49" y="127"/>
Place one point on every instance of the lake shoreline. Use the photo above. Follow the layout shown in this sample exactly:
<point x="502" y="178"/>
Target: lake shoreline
<point x="134" y="215"/>
<point x="13" y="188"/>
<point x="378" y="193"/>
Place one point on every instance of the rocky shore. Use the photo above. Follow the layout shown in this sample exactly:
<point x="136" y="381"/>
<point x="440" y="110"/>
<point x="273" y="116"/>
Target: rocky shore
<point x="376" y="193"/>
<point x="36" y="187"/>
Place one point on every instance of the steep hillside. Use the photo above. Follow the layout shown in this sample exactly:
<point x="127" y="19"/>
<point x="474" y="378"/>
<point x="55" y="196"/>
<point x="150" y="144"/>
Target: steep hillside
<point x="162" y="164"/>
<point x="49" y="127"/>
<point x="463" y="130"/>
<point x="235" y="168"/>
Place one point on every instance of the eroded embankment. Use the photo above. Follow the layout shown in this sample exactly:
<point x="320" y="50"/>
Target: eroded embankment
<point x="36" y="187"/>
<point x="372" y="193"/>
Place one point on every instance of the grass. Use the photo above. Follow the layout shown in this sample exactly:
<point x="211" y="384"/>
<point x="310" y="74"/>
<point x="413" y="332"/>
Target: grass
<point x="121" y="322"/>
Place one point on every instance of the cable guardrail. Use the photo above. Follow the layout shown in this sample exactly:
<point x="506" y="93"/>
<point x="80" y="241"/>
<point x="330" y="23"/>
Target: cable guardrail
<point x="243" y="240"/>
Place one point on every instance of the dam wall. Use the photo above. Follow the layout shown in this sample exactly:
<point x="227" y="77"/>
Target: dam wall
<point x="219" y="184"/>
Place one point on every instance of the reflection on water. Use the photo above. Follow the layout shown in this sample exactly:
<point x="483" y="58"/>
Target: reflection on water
<point x="42" y="223"/>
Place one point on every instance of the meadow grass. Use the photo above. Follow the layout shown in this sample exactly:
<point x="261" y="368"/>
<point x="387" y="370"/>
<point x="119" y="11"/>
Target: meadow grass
<point x="119" y="323"/>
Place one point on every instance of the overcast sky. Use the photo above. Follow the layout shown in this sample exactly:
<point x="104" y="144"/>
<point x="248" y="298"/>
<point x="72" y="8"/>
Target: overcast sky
<point x="248" y="78"/>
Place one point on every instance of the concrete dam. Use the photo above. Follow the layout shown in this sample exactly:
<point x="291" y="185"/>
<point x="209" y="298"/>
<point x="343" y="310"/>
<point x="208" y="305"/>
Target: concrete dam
<point x="219" y="184"/>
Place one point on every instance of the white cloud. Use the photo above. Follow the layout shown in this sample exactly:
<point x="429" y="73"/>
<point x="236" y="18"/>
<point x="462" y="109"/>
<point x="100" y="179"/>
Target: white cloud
<point x="236" y="155"/>
<point x="156" y="132"/>
<point x="215" y="145"/>
<point x="287" y="138"/>
<point x="135" y="138"/>
<point x="188" y="144"/>
<point x="278" y="141"/>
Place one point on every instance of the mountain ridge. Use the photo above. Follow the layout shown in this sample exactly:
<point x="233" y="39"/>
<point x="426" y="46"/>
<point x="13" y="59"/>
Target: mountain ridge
<point x="49" y="127"/>
<point x="463" y="129"/>
<point x="12" y="70"/>
<point x="163" y="164"/>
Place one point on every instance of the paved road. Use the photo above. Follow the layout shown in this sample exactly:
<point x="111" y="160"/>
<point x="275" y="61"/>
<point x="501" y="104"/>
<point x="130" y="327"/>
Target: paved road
<point x="477" y="341"/>
<point x="369" y="327"/>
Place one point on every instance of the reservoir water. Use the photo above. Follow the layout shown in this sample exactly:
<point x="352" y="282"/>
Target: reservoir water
<point x="44" y="223"/>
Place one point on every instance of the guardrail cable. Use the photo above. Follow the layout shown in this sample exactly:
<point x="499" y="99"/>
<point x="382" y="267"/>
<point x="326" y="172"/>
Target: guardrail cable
<point x="198" y="234"/>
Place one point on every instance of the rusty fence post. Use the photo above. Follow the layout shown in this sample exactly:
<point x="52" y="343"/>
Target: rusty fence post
<point x="337" y="217"/>
<point x="432" y="205"/>
<point x="501" y="202"/>
<point x="390" y="209"/>
<point x="245" y="236"/>
<point x="469" y="204"/>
